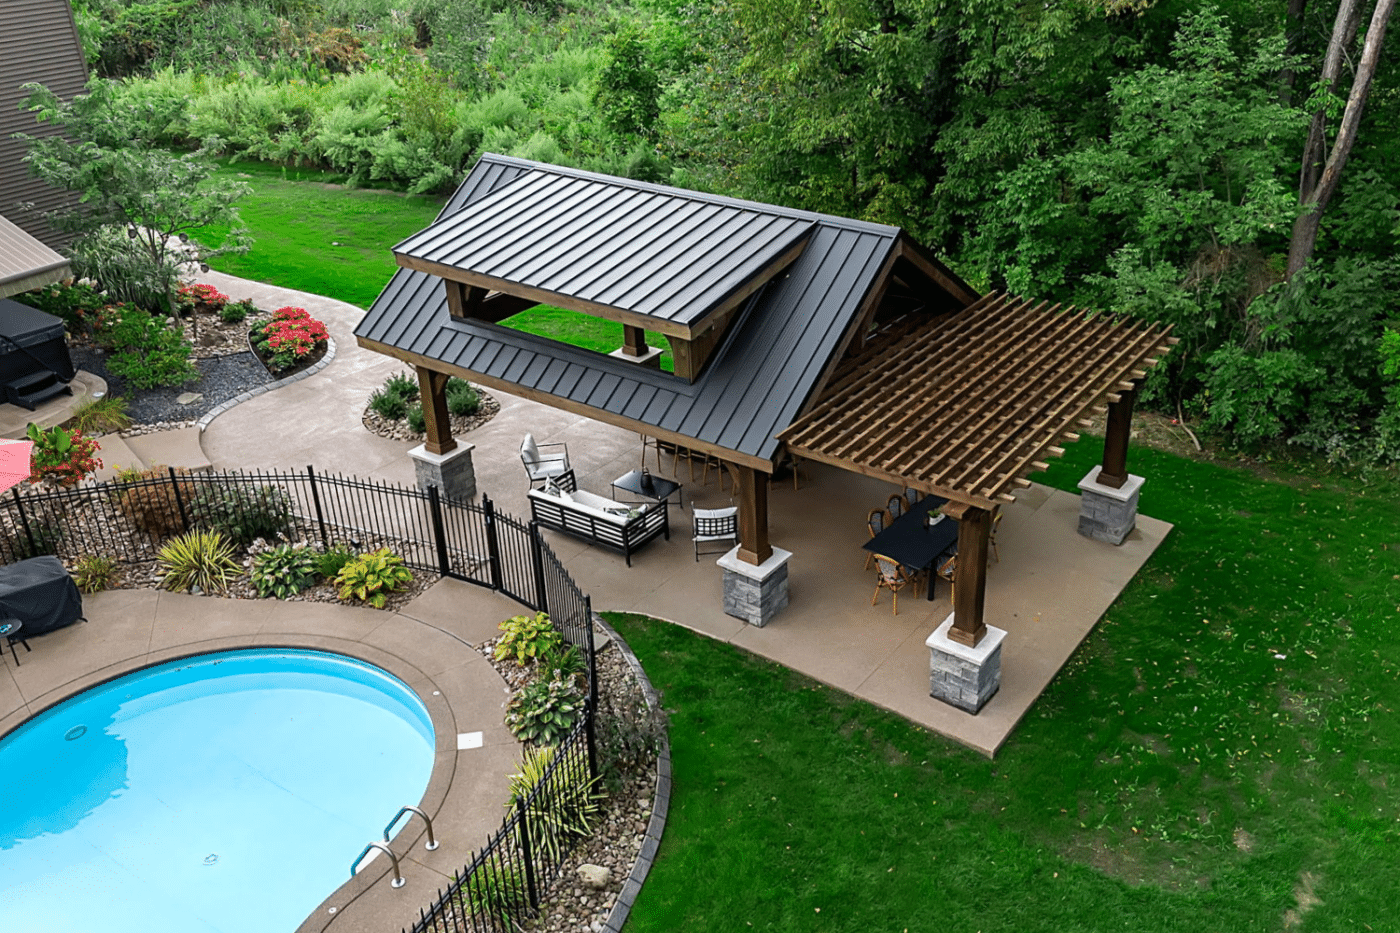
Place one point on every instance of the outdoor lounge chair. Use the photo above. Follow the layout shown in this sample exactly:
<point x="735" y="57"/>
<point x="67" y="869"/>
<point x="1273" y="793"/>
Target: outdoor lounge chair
<point x="716" y="525"/>
<point x="541" y="466"/>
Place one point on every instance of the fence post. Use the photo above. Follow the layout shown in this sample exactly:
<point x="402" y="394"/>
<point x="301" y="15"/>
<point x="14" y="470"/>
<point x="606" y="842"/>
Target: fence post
<point x="493" y="544"/>
<point x="591" y="713"/>
<point x="525" y="851"/>
<point x="439" y="535"/>
<point x="179" y="500"/>
<point x="537" y="557"/>
<point x="24" y="520"/>
<point x="316" y="500"/>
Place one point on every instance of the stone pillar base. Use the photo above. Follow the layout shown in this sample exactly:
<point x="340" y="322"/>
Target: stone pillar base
<point x="651" y="359"/>
<point x="452" y="473"/>
<point x="1107" y="514"/>
<point x="755" y="593"/>
<point x="962" y="676"/>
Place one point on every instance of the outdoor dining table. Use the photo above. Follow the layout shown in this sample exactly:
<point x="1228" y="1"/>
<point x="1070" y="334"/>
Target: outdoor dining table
<point x="913" y="543"/>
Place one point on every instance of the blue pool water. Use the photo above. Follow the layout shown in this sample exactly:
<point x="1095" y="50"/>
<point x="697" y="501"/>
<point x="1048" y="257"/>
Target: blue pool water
<point x="227" y="792"/>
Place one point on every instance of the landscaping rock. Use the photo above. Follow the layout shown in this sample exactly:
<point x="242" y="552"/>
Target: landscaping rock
<point x="595" y="877"/>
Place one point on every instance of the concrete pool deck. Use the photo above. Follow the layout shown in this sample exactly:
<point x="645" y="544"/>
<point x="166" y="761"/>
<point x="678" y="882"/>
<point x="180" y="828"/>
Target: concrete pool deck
<point x="429" y="644"/>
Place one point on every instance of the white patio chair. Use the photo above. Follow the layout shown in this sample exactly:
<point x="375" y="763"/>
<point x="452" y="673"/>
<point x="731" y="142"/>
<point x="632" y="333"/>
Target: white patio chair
<point x="539" y="465"/>
<point x="716" y="525"/>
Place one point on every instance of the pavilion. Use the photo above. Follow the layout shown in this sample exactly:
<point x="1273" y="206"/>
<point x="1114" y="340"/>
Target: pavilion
<point x="794" y="335"/>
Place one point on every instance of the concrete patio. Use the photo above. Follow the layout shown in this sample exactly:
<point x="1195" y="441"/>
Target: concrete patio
<point x="1048" y="591"/>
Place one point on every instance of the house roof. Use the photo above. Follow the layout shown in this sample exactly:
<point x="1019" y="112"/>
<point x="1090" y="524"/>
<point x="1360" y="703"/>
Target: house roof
<point x="661" y="259"/>
<point x="967" y="404"/>
<point x="26" y="263"/>
<point x="778" y="349"/>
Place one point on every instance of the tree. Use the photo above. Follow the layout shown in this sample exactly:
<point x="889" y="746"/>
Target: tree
<point x="139" y="205"/>
<point x="1319" y="179"/>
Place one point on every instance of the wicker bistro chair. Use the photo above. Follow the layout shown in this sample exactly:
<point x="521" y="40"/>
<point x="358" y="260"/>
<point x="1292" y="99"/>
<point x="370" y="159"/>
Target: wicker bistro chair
<point x="912" y="496"/>
<point x="716" y="525"/>
<point x="891" y="575"/>
<point x="946" y="567"/>
<point x="877" y="521"/>
<point x="541" y="466"/>
<point x="896" y="507"/>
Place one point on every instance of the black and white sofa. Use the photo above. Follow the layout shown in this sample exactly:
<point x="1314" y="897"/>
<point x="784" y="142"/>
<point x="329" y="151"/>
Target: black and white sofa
<point x="562" y="506"/>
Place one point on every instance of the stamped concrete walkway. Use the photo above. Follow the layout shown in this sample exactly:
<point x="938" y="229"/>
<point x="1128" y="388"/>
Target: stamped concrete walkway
<point x="1048" y="591"/>
<point x="427" y="644"/>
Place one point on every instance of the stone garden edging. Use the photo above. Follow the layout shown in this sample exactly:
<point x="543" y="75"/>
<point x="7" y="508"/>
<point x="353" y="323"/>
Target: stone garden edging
<point x="222" y="407"/>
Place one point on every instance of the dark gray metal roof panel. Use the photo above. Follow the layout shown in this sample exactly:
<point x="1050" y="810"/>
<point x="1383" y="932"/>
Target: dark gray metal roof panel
<point x="759" y="376"/>
<point x="575" y="236"/>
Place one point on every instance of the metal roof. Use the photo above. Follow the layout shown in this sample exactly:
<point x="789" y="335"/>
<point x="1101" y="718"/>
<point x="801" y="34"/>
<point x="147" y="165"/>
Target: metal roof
<point x="26" y="263"/>
<point x="767" y="364"/>
<point x="647" y="256"/>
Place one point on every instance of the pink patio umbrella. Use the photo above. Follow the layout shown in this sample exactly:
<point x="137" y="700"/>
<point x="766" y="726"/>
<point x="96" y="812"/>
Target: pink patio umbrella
<point x="14" y="463"/>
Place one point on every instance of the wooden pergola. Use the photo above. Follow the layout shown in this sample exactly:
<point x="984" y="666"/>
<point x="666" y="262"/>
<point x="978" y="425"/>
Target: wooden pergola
<point x="967" y="404"/>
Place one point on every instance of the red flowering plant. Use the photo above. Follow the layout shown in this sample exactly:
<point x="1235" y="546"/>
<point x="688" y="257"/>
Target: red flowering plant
<point x="204" y="298"/>
<point x="288" y="337"/>
<point x="61" y="458"/>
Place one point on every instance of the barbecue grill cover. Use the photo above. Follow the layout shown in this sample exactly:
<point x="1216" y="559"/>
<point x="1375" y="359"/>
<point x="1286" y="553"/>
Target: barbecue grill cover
<point x="40" y="594"/>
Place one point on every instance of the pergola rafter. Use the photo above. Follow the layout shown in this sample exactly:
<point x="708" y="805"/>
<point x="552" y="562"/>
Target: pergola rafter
<point x="966" y="405"/>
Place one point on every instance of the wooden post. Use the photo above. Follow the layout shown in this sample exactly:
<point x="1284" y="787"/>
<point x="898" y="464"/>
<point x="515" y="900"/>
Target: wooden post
<point x="463" y="301"/>
<point x="753" y="515"/>
<point x="1114" y="472"/>
<point x="634" y="341"/>
<point x="432" y="390"/>
<point x="970" y="581"/>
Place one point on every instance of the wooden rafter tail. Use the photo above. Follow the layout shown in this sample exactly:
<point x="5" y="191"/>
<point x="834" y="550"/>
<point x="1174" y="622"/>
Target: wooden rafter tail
<point x="1139" y="374"/>
<point x="1173" y="341"/>
<point x="1085" y="422"/>
<point x="1113" y="398"/>
<point x="1054" y="451"/>
<point x="1070" y="437"/>
<point x="1006" y="497"/>
<point x="1021" y="482"/>
<point x="1126" y="386"/>
<point x="1039" y="465"/>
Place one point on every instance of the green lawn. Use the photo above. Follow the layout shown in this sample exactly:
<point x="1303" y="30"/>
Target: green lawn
<point x="1178" y="775"/>
<point x="317" y="236"/>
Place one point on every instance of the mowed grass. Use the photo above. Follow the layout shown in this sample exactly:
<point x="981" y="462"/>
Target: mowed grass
<point x="1220" y="755"/>
<point x="317" y="236"/>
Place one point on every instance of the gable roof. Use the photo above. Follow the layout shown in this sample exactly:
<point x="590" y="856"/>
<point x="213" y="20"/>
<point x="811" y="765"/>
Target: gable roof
<point x="768" y="363"/>
<point x="659" y="259"/>
<point x="26" y="263"/>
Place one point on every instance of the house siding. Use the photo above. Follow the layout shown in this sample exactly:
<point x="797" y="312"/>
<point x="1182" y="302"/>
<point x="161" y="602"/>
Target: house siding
<point x="38" y="43"/>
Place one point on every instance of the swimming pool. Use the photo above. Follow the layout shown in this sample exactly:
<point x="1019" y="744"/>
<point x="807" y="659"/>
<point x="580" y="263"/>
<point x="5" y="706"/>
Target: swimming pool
<point x="227" y="792"/>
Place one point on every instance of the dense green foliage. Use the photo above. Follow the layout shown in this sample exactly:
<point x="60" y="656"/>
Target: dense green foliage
<point x="1217" y="755"/>
<point x="1136" y="156"/>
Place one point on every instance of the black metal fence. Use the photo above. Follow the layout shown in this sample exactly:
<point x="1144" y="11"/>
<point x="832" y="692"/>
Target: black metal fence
<point x="506" y="879"/>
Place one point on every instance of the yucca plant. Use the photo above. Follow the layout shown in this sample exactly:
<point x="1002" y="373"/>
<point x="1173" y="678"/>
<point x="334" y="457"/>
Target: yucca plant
<point x="201" y="559"/>
<point x="566" y="809"/>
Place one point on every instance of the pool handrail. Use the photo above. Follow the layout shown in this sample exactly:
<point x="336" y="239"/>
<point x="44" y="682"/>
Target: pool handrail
<point x="432" y="842"/>
<point x="398" y="881"/>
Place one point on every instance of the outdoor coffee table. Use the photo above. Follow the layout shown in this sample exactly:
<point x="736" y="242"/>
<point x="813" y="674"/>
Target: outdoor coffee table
<point x="641" y="483"/>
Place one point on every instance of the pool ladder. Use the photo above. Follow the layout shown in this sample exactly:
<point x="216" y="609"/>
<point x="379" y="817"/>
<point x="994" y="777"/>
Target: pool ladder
<point x="398" y="881"/>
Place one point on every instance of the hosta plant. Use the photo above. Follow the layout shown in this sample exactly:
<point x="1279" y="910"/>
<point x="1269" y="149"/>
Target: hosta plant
<point x="527" y="638"/>
<point x="202" y="559"/>
<point x="285" y="570"/>
<point x="544" y="711"/>
<point x="372" y="577"/>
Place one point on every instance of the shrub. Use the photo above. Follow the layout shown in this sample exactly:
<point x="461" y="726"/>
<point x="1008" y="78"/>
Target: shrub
<point x="387" y="405"/>
<point x="76" y="305"/>
<point x="288" y="337"/>
<point x="402" y="385"/>
<point x="236" y="312"/>
<point x="94" y="573"/>
<point x="330" y="561"/>
<point x="498" y="891"/>
<point x="148" y="353"/>
<point x="158" y="368"/>
<point x="198" y="558"/>
<point x="527" y="638"/>
<point x="46" y="532"/>
<point x="102" y="415"/>
<point x="417" y="422"/>
<point x="462" y="399"/>
<point x="568" y="808"/>
<point x="563" y="661"/>
<point x="372" y="577"/>
<point x="61" y="457"/>
<point x="242" y="513"/>
<point x="630" y="733"/>
<point x="285" y="570"/>
<point x="544" y="711"/>
<point x="151" y="502"/>
<point x="191" y="299"/>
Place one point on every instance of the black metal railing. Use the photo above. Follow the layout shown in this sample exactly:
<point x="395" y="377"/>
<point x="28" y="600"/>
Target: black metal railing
<point x="506" y="880"/>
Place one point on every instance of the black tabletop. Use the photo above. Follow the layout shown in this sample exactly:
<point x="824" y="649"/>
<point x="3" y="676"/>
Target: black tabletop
<point x="645" y="484"/>
<point x="910" y="542"/>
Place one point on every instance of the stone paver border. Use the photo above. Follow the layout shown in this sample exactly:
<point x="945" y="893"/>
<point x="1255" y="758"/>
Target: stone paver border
<point x="239" y="399"/>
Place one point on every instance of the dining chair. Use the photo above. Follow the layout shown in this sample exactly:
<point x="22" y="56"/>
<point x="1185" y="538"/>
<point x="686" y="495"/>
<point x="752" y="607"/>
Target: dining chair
<point x="947" y="568"/>
<point x="876" y="521"/>
<point x="912" y="496"/>
<point x="896" y="507"/>
<point x="716" y="525"/>
<point x="992" y="535"/>
<point x="889" y="575"/>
